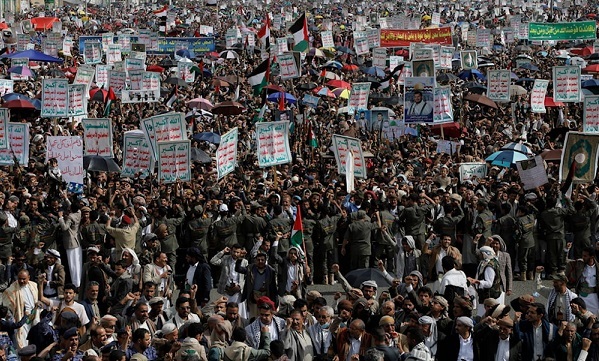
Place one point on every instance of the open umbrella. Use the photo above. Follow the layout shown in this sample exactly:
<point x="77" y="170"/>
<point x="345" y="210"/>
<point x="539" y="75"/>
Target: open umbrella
<point x="481" y="99"/>
<point x="356" y="277"/>
<point x="350" y="67"/>
<point x="316" y="52"/>
<point x="551" y="103"/>
<point x="518" y="147"/>
<point x="199" y="156"/>
<point x="98" y="94"/>
<point x="228" y="108"/>
<point x="339" y="84"/>
<point x="341" y="93"/>
<point x="228" y="54"/>
<point x="471" y="73"/>
<point x="155" y="68"/>
<point x="167" y="63"/>
<point x="331" y="75"/>
<point x="207" y="137"/>
<point x="374" y="71"/>
<point x="273" y="88"/>
<point x="591" y="68"/>
<point x="475" y="87"/>
<point x="200" y="103"/>
<point x="324" y="91"/>
<point x="274" y="97"/>
<point x="19" y="104"/>
<point x="551" y="155"/>
<point x="345" y="49"/>
<point x="529" y="66"/>
<point x="20" y="70"/>
<point x="307" y="86"/>
<point x="517" y="90"/>
<point x="446" y="77"/>
<point x="176" y="81"/>
<point x="505" y="158"/>
<point x="96" y="163"/>
<point x="12" y="96"/>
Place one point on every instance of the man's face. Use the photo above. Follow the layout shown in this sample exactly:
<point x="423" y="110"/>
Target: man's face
<point x="149" y="291"/>
<point x="266" y="316"/>
<point x="297" y="321"/>
<point x="119" y="270"/>
<point x="424" y="298"/>
<point x="100" y="338"/>
<point x="184" y="309"/>
<point x="2" y="355"/>
<point x="323" y="317"/>
<point x="261" y="262"/>
<point x="94" y="258"/>
<point x="436" y="306"/>
<point x="569" y="333"/>
<point x="595" y="335"/>
<point x="69" y="295"/>
<point x="127" y="258"/>
<point x="109" y="327"/>
<point x="50" y="260"/>
<point x="232" y="314"/>
<point x="368" y="292"/>
<point x="532" y="315"/>
<point x="417" y="97"/>
<point x="236" y="253"/>
<point x="505" y="332"/>
<point x="72" y="343"/>
<point x="445" y="242"/>
<point x="586" y="257"/>
<point x="142" y="313"/>
<point x="303" y="311"/>
<point x="23" y="278"/>
<point x="144" y="342"/>
<point x="220" y="307"/>
<point x="162" y="260"/>
<point x="345" y="315"/>
<point x="559" y="286"/>
<point x="354" y="331"/>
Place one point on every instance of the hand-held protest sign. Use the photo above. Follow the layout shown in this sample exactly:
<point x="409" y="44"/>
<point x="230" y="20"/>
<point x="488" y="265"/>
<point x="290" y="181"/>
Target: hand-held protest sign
<point x="590" y="118"/>
<point x="342" y="146"/>
<point x="18" y="139"/>
<point x="98" y="137"/>
<point x="499" y="85"/>
<point x="4" y="120"/>
<point x="174" y="161"/>
<point x="443" y="112"/>
<point x="566" y="84"/>
<point x="537" y="96"/>
<point x="226" y="154"/>
<point x="273" y="143"/>
<point x="137" y="155"/>
<point x="162" y="128"/>
<point x="68" y="151"/>
<point x="55" y="98"/>
<point x="581" y="148"/>
<point x="469" y="171"/>
<point x="532" y="172"/>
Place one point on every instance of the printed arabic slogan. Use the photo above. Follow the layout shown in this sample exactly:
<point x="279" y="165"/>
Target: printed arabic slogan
<point x="582" y="149"/>
<point x="18" y="138"/>
<point x="164" y="127"/>
<point x="499" y="85"/>
<point x="273" y="143"/>
<point x="97" y="136"/>
<point x="137" y="155"/>
<point x="68" y="151"/>
<point x="590" y="117"/>
<point x="580" y="30"/>
<point x="566" y="84"/>
<point x="226" y="154"/>
<point x="391" y="38"/>
<point x="342" y="146"/>
<point x="537" y="96"/>
<point x="174" y="161"/>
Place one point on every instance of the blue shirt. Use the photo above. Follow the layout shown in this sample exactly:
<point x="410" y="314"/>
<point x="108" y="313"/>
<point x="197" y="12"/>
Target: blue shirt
<point x="78" y="356"/>
<point x="150" y="353"/>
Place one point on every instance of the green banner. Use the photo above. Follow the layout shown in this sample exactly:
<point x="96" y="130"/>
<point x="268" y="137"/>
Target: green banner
<point x="580" y="30"/>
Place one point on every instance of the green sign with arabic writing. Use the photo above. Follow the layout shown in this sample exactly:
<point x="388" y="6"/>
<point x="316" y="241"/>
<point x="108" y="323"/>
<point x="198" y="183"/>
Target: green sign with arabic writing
<point x="580" y="30"/>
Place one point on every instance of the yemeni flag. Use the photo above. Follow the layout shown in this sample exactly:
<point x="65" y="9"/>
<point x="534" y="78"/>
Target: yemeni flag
<point x="258" y="79"/>
<point x="264" y="33"/>
<point x="297" y="233"/>
<point x="299" y="29"/>
<point x="111" y="97"/>
<point x="161" y="12"/>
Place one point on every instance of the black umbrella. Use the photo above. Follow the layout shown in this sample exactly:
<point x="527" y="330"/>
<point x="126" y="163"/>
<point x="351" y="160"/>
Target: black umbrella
<point x="199" y="156"/>
<point x="345" y="49"/>
<point x="307" y="86"/>
<point x="167" y="63"/>
<point x="176" y="81"/>
<point x="96" y="163"/>
<point x="474" y="87"/>
<point x="356" y="277"/>
<point x="446" y="77"/>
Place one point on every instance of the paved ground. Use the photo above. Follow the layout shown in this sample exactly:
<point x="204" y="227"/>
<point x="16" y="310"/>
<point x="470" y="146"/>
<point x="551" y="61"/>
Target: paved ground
<point x="520" y="288"/>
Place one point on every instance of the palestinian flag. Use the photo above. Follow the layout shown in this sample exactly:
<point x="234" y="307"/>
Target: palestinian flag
<point x="297" y="233"/>
<point x="385" y="83"/>
<point x="312" y="141"/>
<point x="299" y="29"/>
<point x="264" y="33"/>
<point x="111" y="97"/>
<point x="161" y="12"/>
<point x="258" y="79"/>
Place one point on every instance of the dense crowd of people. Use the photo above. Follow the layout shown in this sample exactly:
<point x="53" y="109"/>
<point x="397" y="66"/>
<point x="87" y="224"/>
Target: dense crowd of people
<point x="134" y="270"/>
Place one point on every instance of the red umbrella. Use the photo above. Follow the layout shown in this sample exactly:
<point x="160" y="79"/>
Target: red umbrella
<point x="450" y="130"/>
<point x="19" y="104"/>
<point x="98" y="94"/>
<point x="592" y="68"/>
<point x="350" y="67"/>
<point x="402" y="52"/>
<point x="587" y="50"/>
<point x="339" y="84"/>
<point x="213" y="55"/>
<point x="550" y="103"/>
<point x="274" y="89"/>
<point x="551" y="155"/>
<point x="155" y="68"/>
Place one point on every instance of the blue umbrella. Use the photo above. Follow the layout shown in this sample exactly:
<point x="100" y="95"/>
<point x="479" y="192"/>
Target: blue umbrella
<point x="274" y="97"/>
<point x="529" y="66"/>
<point x="12" y="96"/>
<point x="373" y="70"/>
<point x="524" y="80"/>
<point x="505" y="158"/>
<point x="36" y="103"/>
<point x="333" y="64"/>
<point x="207" y="137"/>
<point x="590" y="83"/>
<point x="513" y="76"/>
<point x="33" y="55"/>
<point x="185" y="53"/>
<point x="466" y="74"/>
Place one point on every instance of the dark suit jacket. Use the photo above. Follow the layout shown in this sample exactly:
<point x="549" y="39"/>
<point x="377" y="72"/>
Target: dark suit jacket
<point x="486" y="341"/>
<point x="450" y="348"/>
<point x="250" y="276"/>
<point x="203" y="278"/>
<point x="58" y="276"/>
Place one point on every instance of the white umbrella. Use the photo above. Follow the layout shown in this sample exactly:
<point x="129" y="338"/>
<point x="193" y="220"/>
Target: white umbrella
<point x="391" y="112"/>
<point x="229" y="54"/>
<point x="331" y="75"/>
<point x="577" y="61"/>
<point x="517" y="90"/>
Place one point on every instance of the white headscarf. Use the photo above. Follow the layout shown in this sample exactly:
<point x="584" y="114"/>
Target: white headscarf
<point x="431" y="340"/>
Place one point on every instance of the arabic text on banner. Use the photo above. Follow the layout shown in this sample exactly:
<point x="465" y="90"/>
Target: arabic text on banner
<point x="4" y="120"/>
<point x="537" y="96"/>
<point x="97" y="137"/>
<point x="358" y="97"/>
<point x="499" y="85"/>
<point x="532" y="172"/>
<point x="392" y="38"/>
<point x="469" y="171"/>
<point x="443" y="112"/>
<point x="579" y="30"/>
<point x="590" y="119"/>
<point x="55" y="98"/>
<point x="174" y="162"/>
<point x="566" y="84"/>
<point x="77" y="100"/>
<point x="226" y="154"/>
<point x="341" y="147"/>
<point x="68" y="151"/>
<point x="163" y="128"/>
<point x="273" y="143"/>
<point x="137" y="155"/>
<point x="18" y="139"/>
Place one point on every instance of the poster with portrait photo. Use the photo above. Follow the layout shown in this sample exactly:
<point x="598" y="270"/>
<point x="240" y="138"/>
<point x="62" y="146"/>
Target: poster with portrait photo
<point x="362" y="118"/>
<point x="283" y="116"/>
<point x="419" y="99"/>
<point x="423" y="68"/>
<point x="379" y="120"/>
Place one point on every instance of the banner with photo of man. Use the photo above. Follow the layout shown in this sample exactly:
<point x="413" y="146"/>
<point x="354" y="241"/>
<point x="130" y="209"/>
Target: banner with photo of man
<point x="419" y="100"/>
